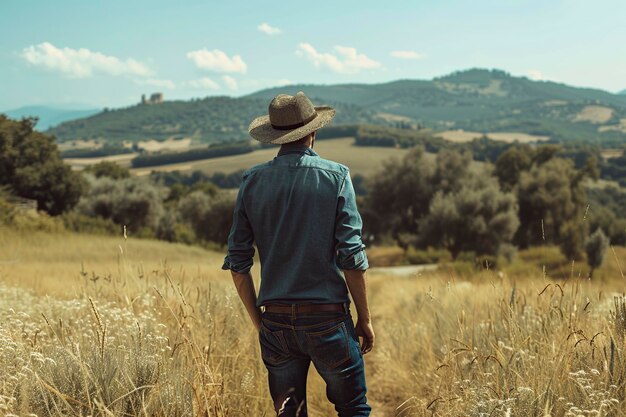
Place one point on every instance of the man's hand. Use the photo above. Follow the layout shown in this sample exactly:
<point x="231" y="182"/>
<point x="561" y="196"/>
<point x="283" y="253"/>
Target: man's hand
<point x="365" y="330"/>
<point x="356" y="285"/>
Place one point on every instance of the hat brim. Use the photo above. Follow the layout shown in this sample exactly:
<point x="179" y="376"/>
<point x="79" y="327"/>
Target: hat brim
<point x="261" y="129"/>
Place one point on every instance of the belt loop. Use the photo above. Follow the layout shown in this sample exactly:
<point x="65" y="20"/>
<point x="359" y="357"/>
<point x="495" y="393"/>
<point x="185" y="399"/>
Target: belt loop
<point x="346" y="309"/>
<point x="293" y="311"/>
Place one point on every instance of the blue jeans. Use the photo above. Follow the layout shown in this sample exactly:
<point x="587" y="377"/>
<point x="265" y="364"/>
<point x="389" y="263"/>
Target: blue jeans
<point x="289" y="343"/>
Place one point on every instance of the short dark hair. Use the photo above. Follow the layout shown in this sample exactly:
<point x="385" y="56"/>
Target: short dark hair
<point x="305" y="139"/>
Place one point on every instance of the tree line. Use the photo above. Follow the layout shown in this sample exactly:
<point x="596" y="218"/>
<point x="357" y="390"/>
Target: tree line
<point x="529" y="196"/>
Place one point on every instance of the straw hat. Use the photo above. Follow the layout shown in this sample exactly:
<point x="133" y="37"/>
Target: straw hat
<point x="290" y="118"/>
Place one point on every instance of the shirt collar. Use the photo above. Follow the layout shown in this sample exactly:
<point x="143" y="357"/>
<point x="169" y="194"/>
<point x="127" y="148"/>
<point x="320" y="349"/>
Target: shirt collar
<point x="296" y="148"/>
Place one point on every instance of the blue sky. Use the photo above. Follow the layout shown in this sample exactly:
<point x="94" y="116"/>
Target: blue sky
<point x="107" y="53"/>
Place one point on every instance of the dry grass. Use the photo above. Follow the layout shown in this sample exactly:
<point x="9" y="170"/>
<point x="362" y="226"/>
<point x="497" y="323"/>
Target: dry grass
<point x="461" y="136"/>
<point x="594" y="114"/>
<point x="168" y="339"/>
<point x="81" y="163"/>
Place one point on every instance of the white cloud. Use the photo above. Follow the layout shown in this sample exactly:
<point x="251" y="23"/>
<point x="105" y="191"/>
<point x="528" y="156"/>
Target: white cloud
<point x="282" y="82"/>
<point x="269" y="30"/>
<point x="204" y="83"/>
<point x="535" y="75"/>
<point x="347" y="60"/>
<point x="217" y="61"/>
<point x="406" y="55"/>
<point x="81" y="63"/>
<point x="156" y="82"/>
<point x="230" y="82"/>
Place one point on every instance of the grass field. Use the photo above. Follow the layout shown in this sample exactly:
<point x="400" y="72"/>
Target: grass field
<point x="360" y="159"/>
<point x="111" y="327"/>
<point x="461" y="136"/>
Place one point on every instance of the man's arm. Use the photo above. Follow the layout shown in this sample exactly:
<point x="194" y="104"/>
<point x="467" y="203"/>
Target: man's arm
<point x="351" y="258"/>
<point x="247" y="293"/>
<point x="358" y="289"/>
<point x="240" y="258"/>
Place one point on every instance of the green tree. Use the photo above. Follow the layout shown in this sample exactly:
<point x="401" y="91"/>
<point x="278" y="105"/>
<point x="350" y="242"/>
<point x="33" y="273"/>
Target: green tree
<point x="30" y="165"/>
<point x="476" y="217"/>
<point x="552" y="204"/>
<point x="209" y="216"/>
<point x="595" y="247"/>
<point x="399" y="195"/>
<point x="134" y="202"/>
<point x="511" y="164"/>
<point x="108" y="169"/>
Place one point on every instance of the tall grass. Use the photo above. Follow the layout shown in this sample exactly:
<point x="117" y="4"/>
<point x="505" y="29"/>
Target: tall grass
<point x="148" y="328"/>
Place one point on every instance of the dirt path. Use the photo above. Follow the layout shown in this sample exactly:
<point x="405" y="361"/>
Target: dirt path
<point x="402" y="270"/>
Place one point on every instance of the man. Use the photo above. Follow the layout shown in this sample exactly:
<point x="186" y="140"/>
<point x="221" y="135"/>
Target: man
<point x="300" y="211"/>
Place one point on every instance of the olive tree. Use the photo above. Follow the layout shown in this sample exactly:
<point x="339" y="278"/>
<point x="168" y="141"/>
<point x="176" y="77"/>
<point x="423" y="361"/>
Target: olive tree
<point x="476" y="217"/>
<point x="31" y="167"/>
<point x="595" y="247"/>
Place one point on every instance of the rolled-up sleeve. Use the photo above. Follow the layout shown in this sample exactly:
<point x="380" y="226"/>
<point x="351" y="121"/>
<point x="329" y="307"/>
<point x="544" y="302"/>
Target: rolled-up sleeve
<point x="240" y="239"/>
<point x="348" y="224"/>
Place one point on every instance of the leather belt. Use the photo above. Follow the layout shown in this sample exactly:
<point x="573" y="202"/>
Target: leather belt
<point x="305" y="308"/>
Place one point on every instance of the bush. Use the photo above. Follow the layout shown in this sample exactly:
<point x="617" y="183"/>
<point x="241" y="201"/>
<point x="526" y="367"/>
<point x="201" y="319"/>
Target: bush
<point x="81" y="223"/>
<point x="210" y="217"/>
<point x="173" y="230"/>
<point x="134" y="202"/>
<point x="428" y="256"/>
<point x="12" y="217"/>
<point x="595" y="248"/>
<point x="108" y="169"/>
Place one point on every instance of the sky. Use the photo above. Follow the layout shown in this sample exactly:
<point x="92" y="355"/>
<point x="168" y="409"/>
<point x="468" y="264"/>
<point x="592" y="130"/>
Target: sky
<point x="80" y="53"/>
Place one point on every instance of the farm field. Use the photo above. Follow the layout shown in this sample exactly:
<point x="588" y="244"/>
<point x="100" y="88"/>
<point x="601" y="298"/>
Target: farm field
<point x="361" y="160"/>
<point x="460" y="136"/>
<point x="93" y="325"/>
<point x="81" y="163"/>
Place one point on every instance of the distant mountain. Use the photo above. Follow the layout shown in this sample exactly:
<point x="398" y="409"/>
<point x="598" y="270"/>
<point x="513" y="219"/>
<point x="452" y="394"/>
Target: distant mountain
<point x="623" y="92"/>
<point x="49" y="116"/>
<point x="208" y="120"/>
<point x="485" y="101"/>
<point x="474" y="100"/>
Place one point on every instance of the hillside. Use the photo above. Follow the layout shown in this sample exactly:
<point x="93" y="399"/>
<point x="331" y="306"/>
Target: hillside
<point x="474" y="100"/>
<point x="49" y="116"/>
<point x="486" y="101"/>
<point x="208" y="120"/>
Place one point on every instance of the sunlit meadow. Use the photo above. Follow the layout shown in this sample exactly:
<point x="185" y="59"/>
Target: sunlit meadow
<point x="111" y="327"/>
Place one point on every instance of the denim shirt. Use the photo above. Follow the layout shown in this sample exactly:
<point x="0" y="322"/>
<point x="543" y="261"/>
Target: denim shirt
<point x="300" y="211"/>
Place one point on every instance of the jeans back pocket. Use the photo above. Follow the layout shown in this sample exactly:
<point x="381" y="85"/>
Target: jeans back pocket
<point x="274" y="349"/>
<point x="329" y="347"/>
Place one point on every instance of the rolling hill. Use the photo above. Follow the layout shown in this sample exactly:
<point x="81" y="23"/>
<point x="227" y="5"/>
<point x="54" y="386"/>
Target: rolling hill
<point x="486" y="101"/>
<point x="208" y="120"/>
<point x="49" y="116"/>
<point x="475" y="100"/>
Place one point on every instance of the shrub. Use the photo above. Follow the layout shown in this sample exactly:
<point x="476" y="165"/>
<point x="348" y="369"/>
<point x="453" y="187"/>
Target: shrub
<point x="428" y="256"/>
<point x="595" y="247"/>
<point x="210" y="217"/>
<point x="31" y="220"/>
<point x="134" y="202"/>
<point x="78" y="222"/>
<point x="108" y="169"/>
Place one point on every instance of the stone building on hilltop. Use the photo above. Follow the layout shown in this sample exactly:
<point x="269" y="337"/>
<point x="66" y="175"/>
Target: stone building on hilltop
<point x="155" y="98"/>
